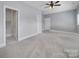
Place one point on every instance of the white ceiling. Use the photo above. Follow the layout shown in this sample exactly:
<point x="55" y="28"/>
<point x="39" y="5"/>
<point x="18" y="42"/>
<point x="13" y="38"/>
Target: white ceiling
<point x="65" y="6"/>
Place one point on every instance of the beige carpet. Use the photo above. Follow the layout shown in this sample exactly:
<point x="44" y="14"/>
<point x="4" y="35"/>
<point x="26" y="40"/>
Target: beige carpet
<point x="44" y="45"/>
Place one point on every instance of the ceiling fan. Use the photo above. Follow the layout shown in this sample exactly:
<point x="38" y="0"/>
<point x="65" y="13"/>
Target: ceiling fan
<point x="51" y="4"/>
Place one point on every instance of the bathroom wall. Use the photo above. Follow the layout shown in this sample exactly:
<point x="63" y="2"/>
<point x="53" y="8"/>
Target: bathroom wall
<point x="11" y="22"/>
<point x="8" y="22"/>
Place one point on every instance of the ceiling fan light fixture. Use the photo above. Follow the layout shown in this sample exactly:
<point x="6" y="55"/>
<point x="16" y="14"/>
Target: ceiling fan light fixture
<point x="50" y="7"/>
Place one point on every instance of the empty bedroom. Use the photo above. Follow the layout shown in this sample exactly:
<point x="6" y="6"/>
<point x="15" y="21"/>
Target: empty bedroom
<point x="39" y="29"/>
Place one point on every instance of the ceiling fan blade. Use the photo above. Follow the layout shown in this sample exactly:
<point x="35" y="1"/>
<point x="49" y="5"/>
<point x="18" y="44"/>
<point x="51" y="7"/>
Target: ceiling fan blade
<point x="46" y="7"/>
<point x="47" y="4"/>
<point x="57" y="5"/>
<point x="57" y="1"/>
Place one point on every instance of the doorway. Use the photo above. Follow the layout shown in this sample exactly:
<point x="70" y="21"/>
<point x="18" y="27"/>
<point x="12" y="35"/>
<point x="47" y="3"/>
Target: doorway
<point x="11" y="25"/>
<point x="47" y="24"/>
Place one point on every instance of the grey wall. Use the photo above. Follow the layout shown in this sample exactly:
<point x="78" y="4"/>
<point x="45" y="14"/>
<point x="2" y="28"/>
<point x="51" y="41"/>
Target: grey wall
<point x="27" y="24"/>
<point x="1" y="25"/>
<point x="64" y="21"/>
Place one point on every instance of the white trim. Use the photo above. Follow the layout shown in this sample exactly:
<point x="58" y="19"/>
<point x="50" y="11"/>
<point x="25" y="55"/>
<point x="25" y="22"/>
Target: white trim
<point x="65" y="32"/>
<point x="10" y="7"/>
<point x="29" y="36"/>
<point x="39" y="22"/>
<point x="2" y="45"/>
<point x="4" y="17"/>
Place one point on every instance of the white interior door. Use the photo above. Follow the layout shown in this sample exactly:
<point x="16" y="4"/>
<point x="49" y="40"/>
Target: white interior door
<point x="47" y="24"/>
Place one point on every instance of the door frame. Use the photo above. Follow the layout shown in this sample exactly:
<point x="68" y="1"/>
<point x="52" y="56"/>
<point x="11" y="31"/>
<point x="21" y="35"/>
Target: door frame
<point x="18" y="19"/>
<point x="47" y="18"/>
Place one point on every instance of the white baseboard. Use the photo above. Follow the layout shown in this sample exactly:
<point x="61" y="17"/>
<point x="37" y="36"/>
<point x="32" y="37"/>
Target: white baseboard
<point x="2" y="45"/>
<point x="28" y="36"/>
<point x="65" y="32"/>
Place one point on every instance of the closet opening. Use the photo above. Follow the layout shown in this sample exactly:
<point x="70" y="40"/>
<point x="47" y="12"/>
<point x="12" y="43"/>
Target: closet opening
<point x="11" y="25"/>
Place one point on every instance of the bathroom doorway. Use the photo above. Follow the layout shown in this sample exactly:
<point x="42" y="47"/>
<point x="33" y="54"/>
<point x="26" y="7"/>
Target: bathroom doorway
<point x="11" y="24"/>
